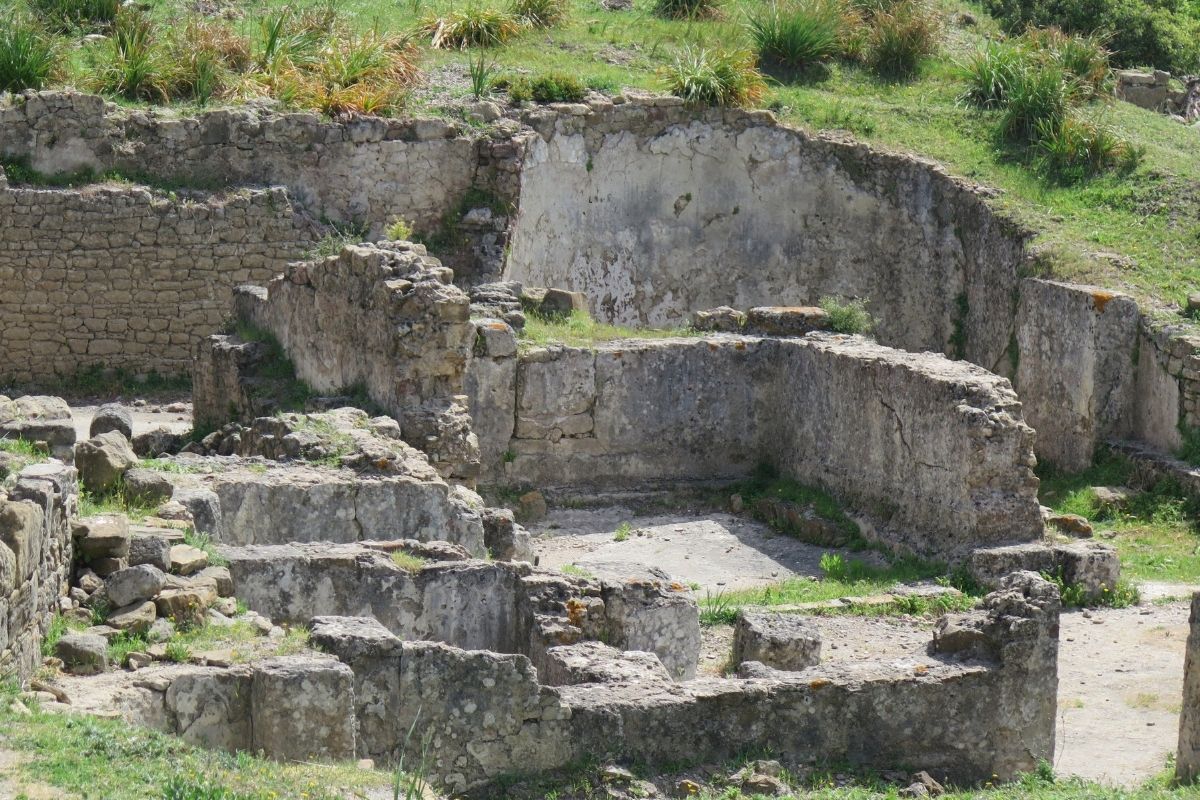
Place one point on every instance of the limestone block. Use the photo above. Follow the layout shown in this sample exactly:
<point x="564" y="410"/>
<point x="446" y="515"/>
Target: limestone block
<point x="785" y="320"/>
<point x="595" y="662"/>
<point x="211" y="708"/>
<point x="782" y="641"/>
<point x="147" y="486"/>
<point x="83" y="653"/>
<point x="303" y="709"/>
<point x="102" y="536"/>
<point x="151" y="549"/>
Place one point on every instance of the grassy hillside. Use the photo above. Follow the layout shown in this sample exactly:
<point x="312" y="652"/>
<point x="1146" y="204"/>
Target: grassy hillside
<point x="1138" y="231"/>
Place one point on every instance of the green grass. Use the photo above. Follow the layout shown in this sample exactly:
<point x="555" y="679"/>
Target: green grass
<point x="845" y="579"/>
<point x="115" y="501"/>
<point x="622" y="532"/>
<point x="407" y="561"/>
<point x="1157" y="536"/>
<point x="580" y="330"/>
<point x="202" y="541"/>
<point x="100" y="759"/>
<point x="765" y="483"/>
<point x="575" y="571"/>
<point x="25" y="453"/>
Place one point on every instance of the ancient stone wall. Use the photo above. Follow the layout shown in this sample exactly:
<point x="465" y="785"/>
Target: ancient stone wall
<point x="364" y="172"/>
<point x="119" y="276"/>
<point x="980" y="707"/>
<point x="506" y="607"/>
<point x="35" y="561"/>
<point x="1075" y="367"/>
<point x="1168" y="386"/>
<point x="1187" y="758"/>
<point x="382" y="318"/>
<point x="654" y="211"/>
<point x="934" y="450"/>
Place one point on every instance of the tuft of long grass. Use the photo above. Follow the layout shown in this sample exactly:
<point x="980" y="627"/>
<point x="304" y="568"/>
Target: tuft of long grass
<point x="901" y="38"/>
<point x="132" y="62"/>
<point x="1085" y="57"/>
<point x="1039" y="95"/>
<point x="550" y="87"/>
<point x="29" y="55"/>
<point x="705" y="76"/>
<point x="476" y="26"/>
<point x="991" y="71"/>
<point x="66" y="15"/>
<point x="1071" y="149"/>
<point x="539" y="13"/>
<point x="797" y="35"/>
<point x="688" y="9"/>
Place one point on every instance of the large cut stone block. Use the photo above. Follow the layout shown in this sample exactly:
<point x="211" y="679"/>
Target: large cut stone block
<point x="782" y="641"/>
<point x="303" y="708"/>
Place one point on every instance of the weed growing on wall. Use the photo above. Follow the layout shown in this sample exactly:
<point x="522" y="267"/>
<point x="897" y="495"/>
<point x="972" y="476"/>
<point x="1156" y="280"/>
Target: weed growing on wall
<point x="847" y="316"/>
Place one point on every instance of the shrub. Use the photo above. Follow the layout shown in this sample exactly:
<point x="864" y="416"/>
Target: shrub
<point x="475" y="27"/>
<point x="1164" y="33"/>
<point x="901" y="38"/>
<point x="849" y="316"/>
<point x="712" y="77"/>
<point x="539" y="13"/>
<point x="798" y="35"/>
<point x="688" y="9"/>
<point x="208" y="55"/>
<point x="553" y="87"/>
<point x="131" y="62"/>
<point x="28" y="55"/>
<point x="67" y="14"/>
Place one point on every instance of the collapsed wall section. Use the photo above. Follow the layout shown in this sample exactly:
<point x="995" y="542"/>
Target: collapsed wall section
<point x="119" y="276"/>
<point x="382" y="319"/>
<point x="935" y="450"/>
<point x="655" y="211"/>
<point x="35" y="561"/>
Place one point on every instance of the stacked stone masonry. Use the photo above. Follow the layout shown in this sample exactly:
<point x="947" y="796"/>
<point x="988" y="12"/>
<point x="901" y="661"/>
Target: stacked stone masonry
<point x="113" y="276"/>
<point x="35" y="561"/>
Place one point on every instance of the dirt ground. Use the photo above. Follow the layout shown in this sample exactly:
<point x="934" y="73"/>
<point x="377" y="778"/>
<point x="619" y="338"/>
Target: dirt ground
<point x="1120" y="670"/>
<point x="714" y="550"/>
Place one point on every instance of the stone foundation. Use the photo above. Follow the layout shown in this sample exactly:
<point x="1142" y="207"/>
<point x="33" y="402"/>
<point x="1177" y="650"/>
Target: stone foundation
<point x="935" y="451"/>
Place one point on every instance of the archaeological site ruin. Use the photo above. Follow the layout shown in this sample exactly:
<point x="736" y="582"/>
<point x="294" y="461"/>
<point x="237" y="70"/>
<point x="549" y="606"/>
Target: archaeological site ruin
<point x="404" y="514"/>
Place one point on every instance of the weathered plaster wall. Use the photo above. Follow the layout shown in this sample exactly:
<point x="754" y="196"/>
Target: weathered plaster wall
<point x="117" y="276"/>
<point x="35" y="561"/>
<point x="936" y="450"/>
<point x="654" y="212"/>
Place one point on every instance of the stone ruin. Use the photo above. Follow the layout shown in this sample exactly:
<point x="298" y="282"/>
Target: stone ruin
<point x="352" y="406"/>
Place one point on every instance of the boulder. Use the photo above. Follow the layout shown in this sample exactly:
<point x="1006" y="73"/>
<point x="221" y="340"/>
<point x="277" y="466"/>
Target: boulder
<point x="134" y="584"/>
<point x="157" y="442"/>
<point x="531" y="506"/>
<point x="134" y="618"/>
<point x="103" y="460"/>
<point x="504" y="538"/>
<point x="147" y="487"/>
<point x="185" y="607"/>
<point x="101" y="536"/>
<point x="148" y="548"/>
<point x="112" y="417"/>
<point x="1071" y="524"/>
<point x="205" y="508"/>
<point x="781" y="641"/>
<point x="83" y="653"/>
<point x="187" y="560"/>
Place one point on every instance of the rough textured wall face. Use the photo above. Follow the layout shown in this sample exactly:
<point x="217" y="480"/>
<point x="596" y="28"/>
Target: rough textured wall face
<point x="657" y="212"/>
<point x="122" y="277"/>
<point x="418" y="169"/>
<point x="1076" y="369"/>
<point x="936" y="450"/>
<point x="35" y="561"/>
